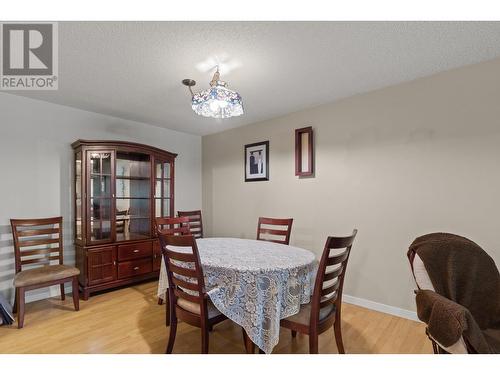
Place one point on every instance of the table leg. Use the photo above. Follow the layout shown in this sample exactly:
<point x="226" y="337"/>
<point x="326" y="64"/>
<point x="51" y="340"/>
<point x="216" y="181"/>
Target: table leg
<point x="249" y="344"/>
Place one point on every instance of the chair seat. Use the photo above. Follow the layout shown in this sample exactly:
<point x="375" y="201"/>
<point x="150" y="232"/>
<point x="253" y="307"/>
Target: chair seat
<point x="304" y="315"/>
<point x="44" y="274"/>
<point x="195" y="308"/>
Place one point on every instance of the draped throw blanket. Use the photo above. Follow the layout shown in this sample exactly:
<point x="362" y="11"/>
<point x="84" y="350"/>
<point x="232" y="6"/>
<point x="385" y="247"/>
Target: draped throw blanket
<point x="466" y="297"/>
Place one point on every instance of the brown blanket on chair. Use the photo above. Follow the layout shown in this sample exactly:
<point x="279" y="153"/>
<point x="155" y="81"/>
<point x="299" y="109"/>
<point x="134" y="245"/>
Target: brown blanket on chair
<point x="469" y="281"/>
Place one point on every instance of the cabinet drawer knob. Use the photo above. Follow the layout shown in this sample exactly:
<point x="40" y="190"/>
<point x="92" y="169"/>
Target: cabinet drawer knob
<point x="136" y="251"/>
<point x="136" y="268"/>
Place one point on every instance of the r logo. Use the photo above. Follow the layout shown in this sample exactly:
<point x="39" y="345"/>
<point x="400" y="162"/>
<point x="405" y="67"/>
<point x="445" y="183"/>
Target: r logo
<point x="27" y="49"/>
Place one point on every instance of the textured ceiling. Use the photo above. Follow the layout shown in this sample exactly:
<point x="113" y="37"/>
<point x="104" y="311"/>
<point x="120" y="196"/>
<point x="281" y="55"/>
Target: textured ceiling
<point x="133" y="70"/>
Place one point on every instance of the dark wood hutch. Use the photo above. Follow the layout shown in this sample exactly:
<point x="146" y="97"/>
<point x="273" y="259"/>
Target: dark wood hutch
<point x="119" y="188"/>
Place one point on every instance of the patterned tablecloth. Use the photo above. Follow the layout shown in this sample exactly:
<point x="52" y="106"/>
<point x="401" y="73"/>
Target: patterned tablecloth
<point x="254" y="283"/>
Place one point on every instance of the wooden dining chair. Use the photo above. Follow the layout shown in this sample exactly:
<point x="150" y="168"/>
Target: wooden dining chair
<point x="38" y="243"/>
<point x="324" y="310"/>
<point x="195" y="222"/>
<point x="266" y="232"/>
<point x="121" y="221"/>
<point x="189" y="301"/>
<point x="171" y="226"/>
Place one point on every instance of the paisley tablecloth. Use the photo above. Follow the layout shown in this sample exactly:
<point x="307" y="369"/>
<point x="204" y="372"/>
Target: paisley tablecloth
<point x="254" y="283"/>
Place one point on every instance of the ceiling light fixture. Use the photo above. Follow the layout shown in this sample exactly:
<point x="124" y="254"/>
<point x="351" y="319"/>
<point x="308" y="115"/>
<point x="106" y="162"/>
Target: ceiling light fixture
<point x="217" y="101"/>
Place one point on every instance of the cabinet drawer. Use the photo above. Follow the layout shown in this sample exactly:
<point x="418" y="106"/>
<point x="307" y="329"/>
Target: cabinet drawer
<point x="134" y="267"/>
<point x="135" y="251"/>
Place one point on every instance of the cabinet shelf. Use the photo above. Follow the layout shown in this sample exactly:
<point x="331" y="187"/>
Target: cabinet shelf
<point x="132" y="178"/>
<point x="118" y="217"/>
<point x="131" y="237"/>
<point x="145" y="198"/>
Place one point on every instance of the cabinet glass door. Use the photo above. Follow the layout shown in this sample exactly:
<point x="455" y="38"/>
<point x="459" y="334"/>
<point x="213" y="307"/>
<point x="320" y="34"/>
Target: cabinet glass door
<point x="100" y="195"/>
<point x="133" y="196"/>
<point x="163" y="194"/>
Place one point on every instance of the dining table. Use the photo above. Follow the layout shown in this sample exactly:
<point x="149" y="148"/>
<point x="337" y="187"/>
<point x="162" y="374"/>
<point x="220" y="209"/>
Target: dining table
<point x="254" y="283"/>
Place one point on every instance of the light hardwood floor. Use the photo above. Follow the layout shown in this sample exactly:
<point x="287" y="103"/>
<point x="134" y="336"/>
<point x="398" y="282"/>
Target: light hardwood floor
<point x="128" y="320"/>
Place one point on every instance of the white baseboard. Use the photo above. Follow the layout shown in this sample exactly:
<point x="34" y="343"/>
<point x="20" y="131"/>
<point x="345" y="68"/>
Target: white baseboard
<point x="44" y="293"/>
<point x="402" y="313"/>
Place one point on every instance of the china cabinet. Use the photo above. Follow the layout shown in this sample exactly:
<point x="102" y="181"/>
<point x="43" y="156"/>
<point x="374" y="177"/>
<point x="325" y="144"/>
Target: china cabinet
<point x="119" y="188"/>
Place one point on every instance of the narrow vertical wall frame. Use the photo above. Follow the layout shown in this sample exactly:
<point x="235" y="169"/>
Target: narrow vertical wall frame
<point x="304" y="154"/>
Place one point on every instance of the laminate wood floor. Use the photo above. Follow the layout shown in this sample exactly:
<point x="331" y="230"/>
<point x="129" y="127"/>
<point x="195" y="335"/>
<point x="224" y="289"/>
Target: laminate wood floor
<point x="129" y="320"/>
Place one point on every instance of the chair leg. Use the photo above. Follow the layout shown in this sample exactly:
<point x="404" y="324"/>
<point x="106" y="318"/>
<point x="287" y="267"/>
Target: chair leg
<point x="63" y="294"/>
<point x="294" y="333"/>
<point x="313" y="343"/>
<point x="14" y="308"/>
<point x="167" y="309"/>
<point x="204" y="340"/>
<point x="434" y="349"/>
<point x="20" y="308"/>
<point x="171" y="336"/>
<point x="160" y="301"/>
<point x="76" y="294"/>
<point x="338" y="335"/>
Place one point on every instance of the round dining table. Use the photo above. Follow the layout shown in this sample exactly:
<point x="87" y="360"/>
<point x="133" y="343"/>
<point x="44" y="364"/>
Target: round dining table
<point x="254" y="283"/>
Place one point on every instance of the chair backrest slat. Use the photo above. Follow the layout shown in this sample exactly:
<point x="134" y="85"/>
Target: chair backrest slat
<point x="37" y="241"/>
<point x="265" y="227"/>
<point x="39" y="232"/>
<point x="182" y="294"/>
<point x="47" y="250"/>
<point x="331" y="273"/>
<point x="44" y="261"/>
<point x="328" y="300"/>
<point x="195" y="222"/>
<point x="336" y="259"/>
<point x="276" y="232"/>
<point x="331" y="288"/>
<point x="186" y="272"/>
<point x="185" y="284"/>
<point x="184" y="257"/>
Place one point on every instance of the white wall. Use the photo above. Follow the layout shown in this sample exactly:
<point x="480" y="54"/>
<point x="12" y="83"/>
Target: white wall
<point x="36" y="166"/>
<point x="396" y="163"/>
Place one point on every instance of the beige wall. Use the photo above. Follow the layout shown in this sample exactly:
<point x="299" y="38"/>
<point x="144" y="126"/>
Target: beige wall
<point x="395" y="163"/>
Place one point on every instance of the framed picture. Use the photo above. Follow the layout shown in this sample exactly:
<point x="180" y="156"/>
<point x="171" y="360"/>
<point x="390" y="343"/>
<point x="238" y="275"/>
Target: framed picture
<point x="257" y="161"/>
<point x="304" y="152"/>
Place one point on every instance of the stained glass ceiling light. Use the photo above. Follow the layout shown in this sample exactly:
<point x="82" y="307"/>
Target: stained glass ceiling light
<point x="217" y="101"/>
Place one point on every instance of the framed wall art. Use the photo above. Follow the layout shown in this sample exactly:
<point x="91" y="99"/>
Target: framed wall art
<point x="257" y="161"/>
<point x="304" y="153"/>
